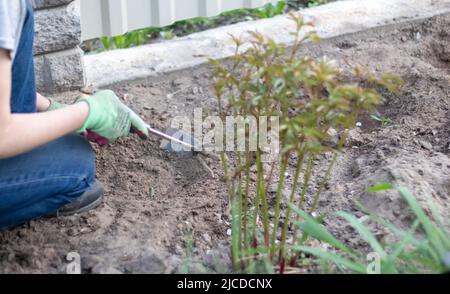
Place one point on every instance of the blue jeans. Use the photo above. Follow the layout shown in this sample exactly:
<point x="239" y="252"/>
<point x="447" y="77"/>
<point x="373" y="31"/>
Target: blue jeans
<point x="37" y="183"/>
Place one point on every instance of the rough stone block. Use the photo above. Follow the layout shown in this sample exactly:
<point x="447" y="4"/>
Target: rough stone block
<point x="57" y="28"/>
<point x="60" y="71"/>
<point x="40" y="4"/>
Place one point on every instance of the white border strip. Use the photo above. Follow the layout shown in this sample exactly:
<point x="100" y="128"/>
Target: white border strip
<point x="331" y="20"/>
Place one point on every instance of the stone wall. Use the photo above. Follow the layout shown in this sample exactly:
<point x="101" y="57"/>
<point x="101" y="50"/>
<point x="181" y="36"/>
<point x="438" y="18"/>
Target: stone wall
<point x="58" y="58"/>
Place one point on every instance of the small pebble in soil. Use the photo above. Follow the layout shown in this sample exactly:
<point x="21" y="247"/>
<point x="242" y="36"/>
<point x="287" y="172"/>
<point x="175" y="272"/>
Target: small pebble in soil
<point x="364" y="218"/>
<point x="151" y="193"/>
<point x="418" y="36"/>
<point x="207" y="238"/>
<point x="273" y="188"/>
<point x="426" y="145"/>
<point x="333" y="137"/>
<point x="355" y="138"/>
<point x="229" y="231"/>
<point x="197" y="90"/>
<point x="379" y="153"/>
<point x="178" y="250"/>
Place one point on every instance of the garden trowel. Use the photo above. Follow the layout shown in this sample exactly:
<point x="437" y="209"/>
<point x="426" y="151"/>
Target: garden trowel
<point x="176" y="141"/>
<point x="180" y="143"/>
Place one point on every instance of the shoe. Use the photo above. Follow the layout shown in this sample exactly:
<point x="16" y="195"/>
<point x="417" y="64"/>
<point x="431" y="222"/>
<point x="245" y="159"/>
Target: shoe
<point x="87" y="201"/>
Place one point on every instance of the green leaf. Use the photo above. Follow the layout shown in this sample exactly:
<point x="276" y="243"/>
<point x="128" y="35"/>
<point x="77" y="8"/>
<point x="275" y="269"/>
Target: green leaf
<point x="261" y="13"/>
<point x="106" y="42"/>
<point x="381" y="187"/>
<point x="314" y="37"/>
<point x="280" y="8"/>
<point x="120" y="41"/>
<point x="332" y="257"/>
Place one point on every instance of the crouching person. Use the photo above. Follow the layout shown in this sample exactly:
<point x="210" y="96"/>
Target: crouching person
<point x="47" y="168"/>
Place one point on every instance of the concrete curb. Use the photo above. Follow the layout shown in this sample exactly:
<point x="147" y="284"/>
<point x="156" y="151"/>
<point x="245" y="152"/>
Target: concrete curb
<point x="331" y="20"/>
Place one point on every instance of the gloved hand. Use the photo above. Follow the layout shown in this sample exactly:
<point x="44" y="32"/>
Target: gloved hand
<point x="54" y="105"/>
<point x="109" y="119"/>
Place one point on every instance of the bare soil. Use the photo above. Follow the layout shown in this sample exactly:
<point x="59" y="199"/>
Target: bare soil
<point x="160" y="209"/>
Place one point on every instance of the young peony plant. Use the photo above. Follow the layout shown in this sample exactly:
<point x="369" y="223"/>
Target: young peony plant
<point x="308" y="95"/>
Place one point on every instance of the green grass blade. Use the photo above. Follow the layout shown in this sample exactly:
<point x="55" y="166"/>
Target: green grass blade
<point x="390" y="263"/>
<point x="441" y="224"/>
<point x="311" y="227"/>
<point x="364" y="231"/>
<point x="399" y="232"/>
<point x="332" y="257"/>
<point x="431" y="230"/>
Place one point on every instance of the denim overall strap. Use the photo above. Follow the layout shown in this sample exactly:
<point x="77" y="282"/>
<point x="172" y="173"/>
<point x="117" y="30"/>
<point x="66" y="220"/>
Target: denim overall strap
<point x="41" y="181"/>
<point x="23" y="94"/>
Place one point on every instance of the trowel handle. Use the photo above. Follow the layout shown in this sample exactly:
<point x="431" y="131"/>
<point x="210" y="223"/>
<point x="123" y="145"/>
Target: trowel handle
<point x="136" y="131"/>
<point x="169" y="138"/>
<point x="160" y="135"/>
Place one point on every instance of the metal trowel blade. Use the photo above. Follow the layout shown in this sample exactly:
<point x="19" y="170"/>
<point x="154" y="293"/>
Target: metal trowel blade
<point x="178" y="142"/>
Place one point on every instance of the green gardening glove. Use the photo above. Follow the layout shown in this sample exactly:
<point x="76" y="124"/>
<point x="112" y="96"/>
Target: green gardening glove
<point x="54" y="105"/>
<point x="109" y="118"/>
